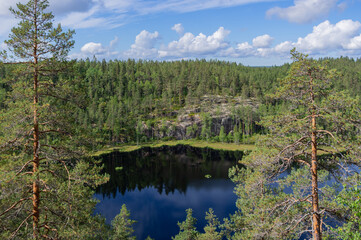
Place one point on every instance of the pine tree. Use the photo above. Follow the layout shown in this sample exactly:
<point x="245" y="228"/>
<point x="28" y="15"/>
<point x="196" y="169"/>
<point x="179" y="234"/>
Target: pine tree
<point x="187" y="229"/>
<point x="318" y="133"/>
<point x="42" y="184"/>
<point x="122" y="225"/>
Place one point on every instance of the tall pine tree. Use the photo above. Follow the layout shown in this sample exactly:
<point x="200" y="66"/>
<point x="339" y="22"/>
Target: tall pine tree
<point x="318" y="135"/>
<point x="42" y="187"/>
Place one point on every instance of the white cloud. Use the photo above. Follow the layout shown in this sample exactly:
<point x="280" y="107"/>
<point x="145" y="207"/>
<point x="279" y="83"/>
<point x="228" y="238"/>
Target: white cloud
<point x="113" y="13"/>
<point x="98" y="50"/>
<point x="342" y="6"/>
<point x="244" y="46"/>
<point x="284" y="48"/>
<point x="145" y="40"/>
<point x="353" y="44"/>
<point x="341" y="38"/>
<point x="303" y="11"/>
<point x="58" y="7"/>
<point x="74" y="14"/>
<point x="6" y="18"/>
<point x="244" y="50"/>
<point x="120" y="5"/>
<point x="6" y="4"/>
<point x="189" y="44"/>
<point x="144" y="46"/>
<point x="85" y="13"/>
<point x="83" y="19"/>
<point x="327" y="36"/>
<point x="114" y="42"/>
<point x="93" y="48"/>
<point x="178" y="28"/>
<point x="61" y="7"/>
<point x="146" y="7"/>
<point x="263" y="41"/>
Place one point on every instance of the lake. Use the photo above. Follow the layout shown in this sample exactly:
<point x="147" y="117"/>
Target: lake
<point x="159" y="184"/>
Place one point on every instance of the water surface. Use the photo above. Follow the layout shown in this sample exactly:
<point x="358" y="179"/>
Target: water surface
<point x="159" y="184"/>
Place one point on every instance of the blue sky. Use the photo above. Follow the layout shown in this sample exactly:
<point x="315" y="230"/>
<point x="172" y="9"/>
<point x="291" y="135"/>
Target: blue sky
<point x="251" y="32"/>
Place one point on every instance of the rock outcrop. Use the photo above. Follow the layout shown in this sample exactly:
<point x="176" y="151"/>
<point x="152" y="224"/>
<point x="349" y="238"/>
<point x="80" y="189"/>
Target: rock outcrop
<point x="188" y="121"/>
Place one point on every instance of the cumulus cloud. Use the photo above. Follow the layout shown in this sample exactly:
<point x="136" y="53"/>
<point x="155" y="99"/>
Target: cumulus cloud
<point x="114" y="42"/>
<point x="145" y="39"/>
<point x="98" y="50"/>
<point x="196" y="45"/>
<point x="353" y="44"/>
<point x="263" y="41"/>
<point x="284" y="48"/>
<point x="144" y="45"/>
<point x="93" y="48"/>
<point x="326" y="36"/>
<point x="343" y="37"/>
<point x="303" y="11"/>
<point x="243" y="50"/>
<point x="178" y="28"/>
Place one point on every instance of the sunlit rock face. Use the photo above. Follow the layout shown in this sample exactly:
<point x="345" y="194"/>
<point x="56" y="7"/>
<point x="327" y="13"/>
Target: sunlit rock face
<point x="188" y="121"/>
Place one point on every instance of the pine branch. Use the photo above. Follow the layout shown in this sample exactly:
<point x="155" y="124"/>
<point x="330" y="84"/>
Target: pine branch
<point x="14" y="205"/>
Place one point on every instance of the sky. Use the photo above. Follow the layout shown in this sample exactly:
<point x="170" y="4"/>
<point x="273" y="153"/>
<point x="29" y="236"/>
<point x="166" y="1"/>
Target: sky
<point x="250" y="32"/>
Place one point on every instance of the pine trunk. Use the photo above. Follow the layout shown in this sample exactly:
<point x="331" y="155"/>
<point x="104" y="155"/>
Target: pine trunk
<point x="315" y="209"/>
<point x="36" y="159"/>
<point x="316" y="221"/>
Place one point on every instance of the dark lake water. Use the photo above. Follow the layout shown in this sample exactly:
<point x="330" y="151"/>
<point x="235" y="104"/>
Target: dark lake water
<point x="159" y="184"/>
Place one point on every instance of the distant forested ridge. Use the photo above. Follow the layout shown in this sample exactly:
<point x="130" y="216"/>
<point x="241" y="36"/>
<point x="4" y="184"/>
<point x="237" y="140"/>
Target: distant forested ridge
<point x="133" y="101"/>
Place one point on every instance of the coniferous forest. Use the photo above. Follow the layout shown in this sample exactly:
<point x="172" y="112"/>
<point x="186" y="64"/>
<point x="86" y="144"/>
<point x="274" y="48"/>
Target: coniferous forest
<point x="121" y="100"/>
<point x="303" y="117"/>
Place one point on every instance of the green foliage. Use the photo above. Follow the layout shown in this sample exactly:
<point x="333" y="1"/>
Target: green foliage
<point x="122" y="225"/>
<point x="210" y="230"/>
<point x="266" y="211"/>
<point x="222" y="135"/>
<point x="187" y="229"/>
<point x="350" y="198"/>
<point x="236" y="135"/>
<point x="41" y="146"/>
<point x="206" y="132"/>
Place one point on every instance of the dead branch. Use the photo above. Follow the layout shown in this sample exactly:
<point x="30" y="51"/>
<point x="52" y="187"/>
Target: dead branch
<point x="327" y="132"/>
<point x="298" y="222"/>
<point x="303" y="162"/>
<point x="16" y="231"/>
<point x="14" y="205"/>
<point x="22" y="168"/>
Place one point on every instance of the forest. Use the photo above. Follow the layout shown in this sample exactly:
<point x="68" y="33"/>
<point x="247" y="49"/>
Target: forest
<point x="122" y="101"/>
<point x="303" y="117"/>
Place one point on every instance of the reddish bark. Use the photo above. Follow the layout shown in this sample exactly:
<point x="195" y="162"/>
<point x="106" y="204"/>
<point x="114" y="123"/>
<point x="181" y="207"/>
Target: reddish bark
<point x="36" y="159"/>
<point x="316" y="220"/>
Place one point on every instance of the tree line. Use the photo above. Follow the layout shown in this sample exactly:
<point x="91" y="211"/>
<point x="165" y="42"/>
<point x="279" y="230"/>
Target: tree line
<point x="121" y="96"/>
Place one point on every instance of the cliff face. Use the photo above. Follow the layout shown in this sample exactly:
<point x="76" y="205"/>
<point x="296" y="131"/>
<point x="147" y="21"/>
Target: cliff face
<point x="209" y="114"/>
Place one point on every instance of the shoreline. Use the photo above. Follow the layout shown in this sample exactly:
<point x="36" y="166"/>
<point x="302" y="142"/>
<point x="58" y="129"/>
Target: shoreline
<point x="191" y="142"/>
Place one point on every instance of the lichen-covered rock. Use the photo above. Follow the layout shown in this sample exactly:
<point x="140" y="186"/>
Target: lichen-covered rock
<point x="188" y="121"/>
